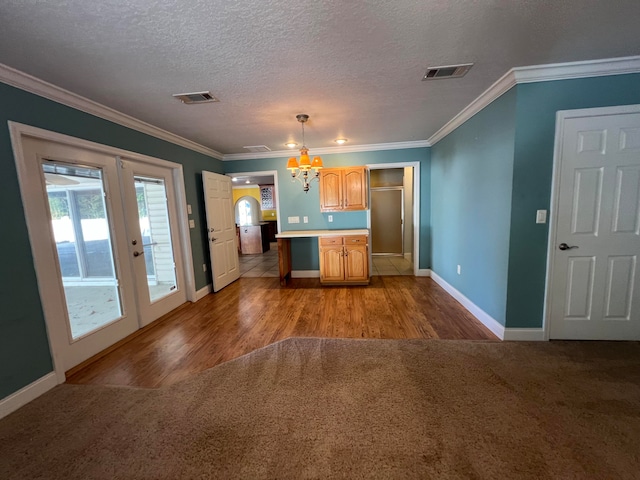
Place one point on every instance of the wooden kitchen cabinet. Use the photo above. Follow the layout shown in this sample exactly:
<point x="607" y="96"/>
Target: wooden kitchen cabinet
<point x="344" y="259"/>
<point x="343" y="189"/>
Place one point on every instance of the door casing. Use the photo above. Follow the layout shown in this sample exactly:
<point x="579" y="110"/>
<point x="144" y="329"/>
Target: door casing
<point x="415" y="254"/>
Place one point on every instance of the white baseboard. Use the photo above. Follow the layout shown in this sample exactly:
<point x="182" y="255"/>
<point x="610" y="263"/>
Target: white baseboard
<point x="203" y="292"/>
<point x="423" y="272"/>
<point x="491" y="323"/>
<point x="524" y="334"/>
<point x="305" y="274"/>
<point x="23" y="396"/>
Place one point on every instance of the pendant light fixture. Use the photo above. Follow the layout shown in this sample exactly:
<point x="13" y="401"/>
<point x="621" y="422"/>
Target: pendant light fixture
<point x="301" y="170"/>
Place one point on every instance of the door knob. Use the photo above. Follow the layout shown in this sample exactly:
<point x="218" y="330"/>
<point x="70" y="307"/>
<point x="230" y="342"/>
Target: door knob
<point x="564" y="246"/>
<point x="137" y="254"/>
<point x="213" y="239"/>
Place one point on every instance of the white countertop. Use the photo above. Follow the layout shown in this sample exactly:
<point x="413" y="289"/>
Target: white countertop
<point x="321" y="233"/>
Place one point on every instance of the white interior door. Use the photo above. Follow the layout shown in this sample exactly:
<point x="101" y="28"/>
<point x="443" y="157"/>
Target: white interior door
<point x="595" y="293"/>
<point x="80" y="249"/>
<point x="221" y="229"/>
<point x="153" y="236"/>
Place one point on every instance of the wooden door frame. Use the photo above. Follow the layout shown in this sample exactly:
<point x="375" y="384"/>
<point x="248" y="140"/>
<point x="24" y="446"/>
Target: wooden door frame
<point x="561" y="117"/>
<point x="415" y="254"/>
<point x="31" y="201"/>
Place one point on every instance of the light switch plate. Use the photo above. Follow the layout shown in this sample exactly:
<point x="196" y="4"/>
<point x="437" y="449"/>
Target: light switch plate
<point x="541" y="216"/>
<point x="294" y="219"/>
<point x="330" y="218"/>
<point x="192" y="224"/>
<point x="188" y="209"/>
<point x="305" y="219"/>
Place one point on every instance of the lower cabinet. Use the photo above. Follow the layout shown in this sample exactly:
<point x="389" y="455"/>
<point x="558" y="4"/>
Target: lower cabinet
<point x="344" y="259"/>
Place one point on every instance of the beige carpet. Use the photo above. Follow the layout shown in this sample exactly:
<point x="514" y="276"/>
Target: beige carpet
<point x="312" y="408"/>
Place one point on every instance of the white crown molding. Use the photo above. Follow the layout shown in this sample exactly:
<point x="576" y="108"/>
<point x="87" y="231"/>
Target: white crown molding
<point x="31" y="84"/>
<point x="501" y="86"/>
<point x="538" y="73"/>
<point x="328" y="150"/>
<point x="566" y="71"/>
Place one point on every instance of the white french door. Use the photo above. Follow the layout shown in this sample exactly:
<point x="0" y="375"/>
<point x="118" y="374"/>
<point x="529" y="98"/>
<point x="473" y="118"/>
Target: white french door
<point x="150" y="203"/>
<point x="104" y="234"/>
<point x="595" y="290"/>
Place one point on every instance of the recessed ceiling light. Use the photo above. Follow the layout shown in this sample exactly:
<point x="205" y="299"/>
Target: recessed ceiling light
<point x="340" y="141"/>
<point x="234" y="179"/>
<point x="291" y="145"/>
<point x="247" y="181"/>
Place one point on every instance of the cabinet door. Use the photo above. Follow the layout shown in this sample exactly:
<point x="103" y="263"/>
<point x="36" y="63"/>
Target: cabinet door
<point x="330" y="189"/>
<point x="355" y="188"/>
<point x="331" y="264"/>
<point x="356" y="263"/>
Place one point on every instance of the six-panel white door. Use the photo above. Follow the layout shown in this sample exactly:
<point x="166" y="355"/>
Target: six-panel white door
<point x="595" y="293"/>
<point x="221" y="229"/>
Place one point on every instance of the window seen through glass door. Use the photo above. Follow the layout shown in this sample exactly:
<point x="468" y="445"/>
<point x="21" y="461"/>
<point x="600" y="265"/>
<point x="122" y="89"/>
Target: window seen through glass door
<point x="153" y="214"/>
<point x="81" y="231"/>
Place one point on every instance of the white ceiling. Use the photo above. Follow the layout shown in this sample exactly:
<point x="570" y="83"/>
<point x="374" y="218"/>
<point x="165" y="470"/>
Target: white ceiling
<point x="354" y="66"/>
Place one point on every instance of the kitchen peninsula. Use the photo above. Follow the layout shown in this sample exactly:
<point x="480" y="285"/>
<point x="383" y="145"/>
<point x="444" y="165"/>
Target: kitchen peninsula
<point x="344" y="255"/>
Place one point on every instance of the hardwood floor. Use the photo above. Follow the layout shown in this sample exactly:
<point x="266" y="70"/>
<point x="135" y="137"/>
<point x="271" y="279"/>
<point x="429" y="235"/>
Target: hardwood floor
<point x="254" y="312"/>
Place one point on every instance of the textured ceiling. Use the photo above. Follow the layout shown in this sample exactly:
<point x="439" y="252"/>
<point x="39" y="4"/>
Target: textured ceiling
<point x="354" y="66"/>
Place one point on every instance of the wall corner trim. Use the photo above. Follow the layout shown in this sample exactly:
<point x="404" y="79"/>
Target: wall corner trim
<point x="204" y="291"/>
<point x="23" y="396"/>
<point x="491" y="323"/>
<point x="305" y="274"/>
<point x="538" y="73"/>
<point x="39" y="87"/>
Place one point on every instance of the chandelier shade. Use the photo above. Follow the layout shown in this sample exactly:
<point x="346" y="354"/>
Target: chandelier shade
<point x="300" y="169"/>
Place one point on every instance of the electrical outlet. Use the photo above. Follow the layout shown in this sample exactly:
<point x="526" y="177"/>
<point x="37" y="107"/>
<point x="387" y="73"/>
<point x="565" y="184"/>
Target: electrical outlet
<point x="204" y="267"/>
<point x="192" y="224"/>
<point x="459" y="269"/>
<point x="330" y="218"/>
<point x="294" y="219"/>
<point x="305" y="219"/>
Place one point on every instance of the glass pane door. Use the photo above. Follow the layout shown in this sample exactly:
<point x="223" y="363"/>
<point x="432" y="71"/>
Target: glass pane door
<point x="153" y="217"/>
<point x="83" y="241"/>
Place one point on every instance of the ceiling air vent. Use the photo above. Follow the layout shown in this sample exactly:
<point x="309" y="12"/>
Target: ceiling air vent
<point x="448" y="71"/>
<point x="196" y="97"/>
<point x="257" y="148"/>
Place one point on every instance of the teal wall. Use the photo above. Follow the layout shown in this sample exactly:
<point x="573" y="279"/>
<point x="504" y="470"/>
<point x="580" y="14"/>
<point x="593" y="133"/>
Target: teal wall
<point x="294" y="201"/>
<point x="537" y="104"/>
<point x="24" y="350"/>
<point x="471" y="178"/>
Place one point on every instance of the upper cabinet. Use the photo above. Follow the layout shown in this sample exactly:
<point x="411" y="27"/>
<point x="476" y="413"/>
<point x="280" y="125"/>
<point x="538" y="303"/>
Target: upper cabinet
<point x="343" y="189"/>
